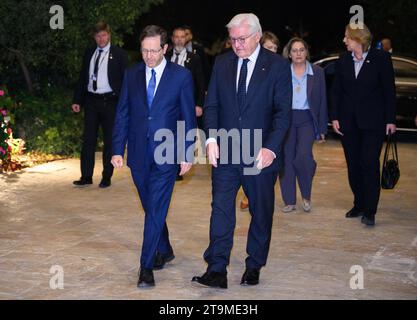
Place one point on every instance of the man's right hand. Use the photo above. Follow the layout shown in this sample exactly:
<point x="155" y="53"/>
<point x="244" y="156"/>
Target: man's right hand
<point x="213" y="153"/>
<point x="117" y="161"/>
<point x="75" y="107"/>
<point x="336" y="127"/>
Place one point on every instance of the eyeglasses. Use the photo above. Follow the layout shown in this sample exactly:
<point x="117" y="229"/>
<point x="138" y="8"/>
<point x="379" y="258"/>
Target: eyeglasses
<point x="241" y="40"/>
<point x="301" y="50"/>
<point x="152" y="51"/>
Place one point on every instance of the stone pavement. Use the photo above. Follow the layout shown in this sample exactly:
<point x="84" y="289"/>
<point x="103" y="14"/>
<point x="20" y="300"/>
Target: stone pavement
<point x="94" y="235"/>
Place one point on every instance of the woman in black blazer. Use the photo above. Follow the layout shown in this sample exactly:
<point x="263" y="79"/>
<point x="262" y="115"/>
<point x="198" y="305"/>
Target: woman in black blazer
<point x="362" y="113"/>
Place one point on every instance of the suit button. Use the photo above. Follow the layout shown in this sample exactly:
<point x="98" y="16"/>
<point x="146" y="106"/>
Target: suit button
<point x="240" y="118"/>
<point x="149" y="118"/>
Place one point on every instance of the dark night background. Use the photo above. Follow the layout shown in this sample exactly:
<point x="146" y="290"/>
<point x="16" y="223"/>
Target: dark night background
<point x="40" y="65"/>
<point x="320" y="22"/>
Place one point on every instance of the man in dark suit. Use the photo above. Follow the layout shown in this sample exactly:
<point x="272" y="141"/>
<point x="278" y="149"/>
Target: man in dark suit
<point x="363" y="112"/>
<point x="192" y="62"/>
<point x="250" y="91"/>
<point x="198" y="49"/>
<point x="98" y="91"/>
<point x="179" y="55"/>
<point x="155" y="95"/>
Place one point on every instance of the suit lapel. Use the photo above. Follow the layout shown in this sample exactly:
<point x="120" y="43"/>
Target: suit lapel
<point x="351" y="66"/>
<point x="141" y="85"/>
<point x="258" y="75"/>
<point x="231" y="81"/>
<point x="110" y="63"/>
<point x="163" y="86"/>
<point x="366" y="63"/>
<point x="187" y="60"/>
<point x="310" y="83"/>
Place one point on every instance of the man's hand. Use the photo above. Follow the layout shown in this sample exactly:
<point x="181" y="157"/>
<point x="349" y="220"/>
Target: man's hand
<point x="213" y="153"/>
<point x="391" y="128"/>
<point x="75" y="108"/>
<point x="117" y="161"/>
<point x="265" y="158"/>
<point x="336" y="127"/>
<point x="322" y="138"/>
<point x="185" y="167"/>
<point x="198" y="111"/>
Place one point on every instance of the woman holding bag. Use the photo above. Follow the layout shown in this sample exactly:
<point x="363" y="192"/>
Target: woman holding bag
<point x="363" y="112"/>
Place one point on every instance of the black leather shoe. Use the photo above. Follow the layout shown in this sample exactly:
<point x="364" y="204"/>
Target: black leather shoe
<point x="212" y="280"/>
<point x="369" y="220"/>
<point x="105" y="183"/>
<point x="146" y="279"/>
<point x="161" y="260"/>
<point x="250" y="277"/>
<point x="354" y="213"/>
<point x="83" y="182"/>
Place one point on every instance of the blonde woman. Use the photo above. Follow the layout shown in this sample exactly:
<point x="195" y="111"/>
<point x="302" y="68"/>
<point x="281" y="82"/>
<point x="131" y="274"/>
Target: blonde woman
<point x="363" y="112"/>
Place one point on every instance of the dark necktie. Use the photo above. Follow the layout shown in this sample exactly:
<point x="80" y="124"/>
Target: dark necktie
<point x="177" y="57"/>
<point x="96" y="70"/>
<point x="241" y="87"/>
<point x="151" y="88"/>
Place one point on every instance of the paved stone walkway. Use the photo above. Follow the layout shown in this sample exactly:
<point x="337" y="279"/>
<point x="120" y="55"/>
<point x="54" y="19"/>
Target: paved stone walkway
<point x="94" y="235"/>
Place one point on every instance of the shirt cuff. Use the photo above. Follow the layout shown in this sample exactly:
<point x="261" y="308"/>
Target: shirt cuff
<point x="272" y="152"/>
<point x="209" y="140"/>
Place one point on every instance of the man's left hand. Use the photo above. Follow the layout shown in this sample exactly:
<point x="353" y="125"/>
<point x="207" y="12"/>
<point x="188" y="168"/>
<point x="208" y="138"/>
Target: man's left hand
<point x="198" y="111"/>
<point x="185" y="167"/>
<point x="265" y="158"/>
<point x="391" y="128"/>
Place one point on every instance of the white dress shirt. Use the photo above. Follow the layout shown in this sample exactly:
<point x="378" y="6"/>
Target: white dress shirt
<point x="251" y="66"/>
<point x="359" y="63"/>
<point x="159" y="69"/>
<point x="103" y="85"/>
<point x="181" y="57"/>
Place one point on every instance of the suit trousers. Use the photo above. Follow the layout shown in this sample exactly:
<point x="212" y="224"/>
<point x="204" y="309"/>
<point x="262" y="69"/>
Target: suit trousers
<point x="155" y="184"/>
<point x="226" y="181"/>
<point x="98" y="112"/>
<point x="362" y="150"/>
<point x="299" y="163"/>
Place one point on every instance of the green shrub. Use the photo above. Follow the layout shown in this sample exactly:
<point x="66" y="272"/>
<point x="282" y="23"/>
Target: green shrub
<point x="47" y="124"/>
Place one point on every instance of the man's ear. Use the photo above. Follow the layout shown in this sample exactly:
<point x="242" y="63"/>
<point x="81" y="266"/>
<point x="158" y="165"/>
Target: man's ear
<point x="165" y="47"/>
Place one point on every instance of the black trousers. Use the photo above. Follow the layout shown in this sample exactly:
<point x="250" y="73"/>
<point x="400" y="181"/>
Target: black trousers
<point x="362" y="152"/>
<point x="98" y="112"/>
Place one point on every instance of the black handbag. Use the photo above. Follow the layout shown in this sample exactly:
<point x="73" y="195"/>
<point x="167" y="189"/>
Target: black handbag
<point x="390" y="168"/>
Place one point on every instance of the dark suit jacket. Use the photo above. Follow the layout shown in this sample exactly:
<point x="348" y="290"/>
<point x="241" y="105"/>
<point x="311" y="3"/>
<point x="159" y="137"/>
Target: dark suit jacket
<point x="268" y="101"/>
<point x="317" y="100"/>
<point x="116" y="67"/>
<point x="367" y="102"/>
<point x="198" y="50"/>
<point x="135" y="121"/>
<point x="193" y="63"/>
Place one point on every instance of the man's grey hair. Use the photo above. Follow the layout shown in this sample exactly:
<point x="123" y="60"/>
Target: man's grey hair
<point x="245" y="18"/>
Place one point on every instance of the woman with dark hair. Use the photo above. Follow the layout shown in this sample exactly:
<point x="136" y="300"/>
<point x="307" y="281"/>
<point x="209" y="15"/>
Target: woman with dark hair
<point x="309" y="123"/>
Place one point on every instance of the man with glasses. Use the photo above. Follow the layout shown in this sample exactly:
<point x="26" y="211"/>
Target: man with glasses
<point x="155" y="95"/>
<point x="250" y="89"/>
